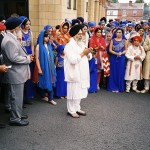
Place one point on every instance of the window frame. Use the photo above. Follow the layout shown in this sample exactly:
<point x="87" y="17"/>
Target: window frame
<point x="69" y="4"/>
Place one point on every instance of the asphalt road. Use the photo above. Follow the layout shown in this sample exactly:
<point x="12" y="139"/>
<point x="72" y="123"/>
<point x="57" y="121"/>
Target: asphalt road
<point x="114" y="121"/>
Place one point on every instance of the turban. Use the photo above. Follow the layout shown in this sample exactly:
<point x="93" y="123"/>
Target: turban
<point x="113" y="25"/>
<point x="137" y="37"/>
<point x="92" y="24"/>
<point x="130" y="25"/>
<point x="101" y="22"/>
<point x="145" y="23"/>
<point x="75" y="29"/>
<point x="75" y="21"/>
<point x="12" y="23"/>
<point x="2" y="27"/>
<point x="81" y="19"/>
<point x="122" y="25"/>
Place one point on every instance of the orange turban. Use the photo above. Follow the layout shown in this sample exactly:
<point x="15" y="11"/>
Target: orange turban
<point x="137" y="37"/>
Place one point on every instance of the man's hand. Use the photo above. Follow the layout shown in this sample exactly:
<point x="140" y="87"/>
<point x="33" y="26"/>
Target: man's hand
<point x="3" y="68"/>
<point x="31" y="58"/>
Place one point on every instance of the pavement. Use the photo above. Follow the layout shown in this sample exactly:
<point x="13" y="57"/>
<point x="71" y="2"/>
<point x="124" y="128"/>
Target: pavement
<point x="114" y="121"/>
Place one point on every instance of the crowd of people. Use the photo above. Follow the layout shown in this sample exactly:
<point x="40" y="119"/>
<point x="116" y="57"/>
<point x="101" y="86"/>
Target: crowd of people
<point x="69" y="61"/>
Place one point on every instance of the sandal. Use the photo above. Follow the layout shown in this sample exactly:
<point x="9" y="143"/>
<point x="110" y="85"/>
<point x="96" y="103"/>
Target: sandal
<point x="74" y="115"/>
<point x="52" y="102"/>
<point x="45" y="99"/>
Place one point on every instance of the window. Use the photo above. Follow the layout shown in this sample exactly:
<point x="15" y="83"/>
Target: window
<point x="134" y="12"/>
<point x="9" y="7"/>
<point x="124" y="13"/>
<point x="69" y="4"/>
<point x="86" y="6"/>
<point x="75" y="5"/>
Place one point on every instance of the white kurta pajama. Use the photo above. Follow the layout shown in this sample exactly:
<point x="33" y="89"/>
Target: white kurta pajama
<point x="134" y="67"/>
<point x="76" y="75"/>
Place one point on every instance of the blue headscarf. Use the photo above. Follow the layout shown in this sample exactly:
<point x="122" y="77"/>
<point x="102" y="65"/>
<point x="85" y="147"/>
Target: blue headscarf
<point x="123" y="35"/>
<point x="47" y="27"/>
<point x="22" y="18"/>
<point x="45" y="80"/>
<point x="60" y="49"/>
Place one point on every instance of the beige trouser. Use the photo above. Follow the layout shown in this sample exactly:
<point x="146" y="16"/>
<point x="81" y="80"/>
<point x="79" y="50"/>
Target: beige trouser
<point x="146" y="84"/>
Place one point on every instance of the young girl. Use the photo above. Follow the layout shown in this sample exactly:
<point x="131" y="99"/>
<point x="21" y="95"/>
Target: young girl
<point x="93" y="73"/>
<point x="135" y="55"/>
<point x="46" y="67"/>
<point x="61" y="85"/>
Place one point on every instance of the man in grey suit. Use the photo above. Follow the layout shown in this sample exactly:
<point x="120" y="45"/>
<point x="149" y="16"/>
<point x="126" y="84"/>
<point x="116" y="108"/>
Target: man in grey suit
<point x="17" y="60"/>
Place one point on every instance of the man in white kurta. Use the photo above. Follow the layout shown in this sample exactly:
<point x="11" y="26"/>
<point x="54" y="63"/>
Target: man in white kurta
<point x="135" y="55"/>
<point x="76" y="70"/>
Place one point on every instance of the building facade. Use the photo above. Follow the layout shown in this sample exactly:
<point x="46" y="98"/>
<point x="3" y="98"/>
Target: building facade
<point x="53" y="12"/>
<point x="125" y="11"/>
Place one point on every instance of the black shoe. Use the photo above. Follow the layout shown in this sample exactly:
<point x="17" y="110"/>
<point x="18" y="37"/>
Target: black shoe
<point x="19" y="123"/>
<point x="28" y="102"/>
<point x="24" y="117"/>
<point x="2" y="125"/>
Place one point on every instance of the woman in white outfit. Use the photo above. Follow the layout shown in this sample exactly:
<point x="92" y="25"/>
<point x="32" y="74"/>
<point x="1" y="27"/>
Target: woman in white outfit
<point x="76" y="70"/>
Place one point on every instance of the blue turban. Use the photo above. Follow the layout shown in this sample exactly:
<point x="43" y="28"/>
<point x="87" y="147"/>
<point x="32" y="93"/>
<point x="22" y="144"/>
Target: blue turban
<point x="145" y="23"/>
<point x="101" y="22"/>
<point x="74" y="21"/>
<point x="12" y="23"/>
<point x="113" y="25"/>
<point x="130" y="24"/>
<point x="92" y="24"/>
<point x="122" y="25"/>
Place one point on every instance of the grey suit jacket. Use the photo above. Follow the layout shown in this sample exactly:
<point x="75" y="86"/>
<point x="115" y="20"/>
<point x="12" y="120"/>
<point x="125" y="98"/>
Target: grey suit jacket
<point x="14" y="54"/>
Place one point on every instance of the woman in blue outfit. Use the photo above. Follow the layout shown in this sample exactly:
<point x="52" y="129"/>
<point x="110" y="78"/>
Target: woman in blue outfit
<point x="61" y="85"/>
<point x="27" y="42"/>
<point x="46" y="67"/>
<point x="118" y="48"/>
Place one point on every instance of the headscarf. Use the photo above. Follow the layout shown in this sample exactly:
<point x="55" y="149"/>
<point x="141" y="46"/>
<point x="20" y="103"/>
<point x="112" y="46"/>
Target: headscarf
<point x="66" y="34"/>
<point x="49" y="75"/>
<point x="47" y="27"/>
<point x="123" y="35"/>
<point x="93" y="41"/>
<point x="60" y="49"/>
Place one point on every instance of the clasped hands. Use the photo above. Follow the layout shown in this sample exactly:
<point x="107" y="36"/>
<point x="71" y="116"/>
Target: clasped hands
<point x="87" y="50"/>
<point x="137" y="58"/>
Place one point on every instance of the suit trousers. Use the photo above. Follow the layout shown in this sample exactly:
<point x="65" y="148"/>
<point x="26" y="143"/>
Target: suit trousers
<point x="16" y="100"/>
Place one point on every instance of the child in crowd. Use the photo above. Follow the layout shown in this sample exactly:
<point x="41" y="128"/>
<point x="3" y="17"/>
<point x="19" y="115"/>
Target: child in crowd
<point x="61" y="85"/>
<point x="93" y="73"/>
<point x="135" y="55"/>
